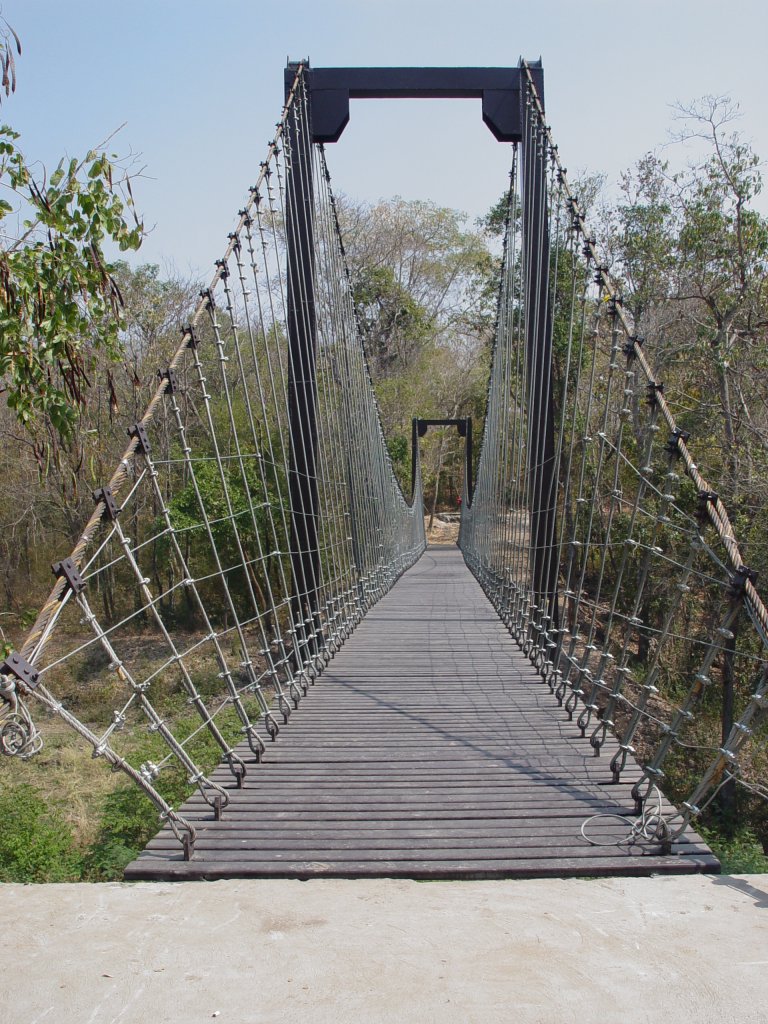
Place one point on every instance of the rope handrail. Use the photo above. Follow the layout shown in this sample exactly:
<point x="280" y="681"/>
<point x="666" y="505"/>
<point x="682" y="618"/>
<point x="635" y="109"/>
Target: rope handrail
<point x="34" y="643"/>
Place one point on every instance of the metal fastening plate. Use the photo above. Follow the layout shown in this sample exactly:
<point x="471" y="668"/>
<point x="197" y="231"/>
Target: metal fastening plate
<point x="15" y="665"/>
<point x="139" y="432"/>
<point x="67" y="570"/>
<point x="104" y="494"/>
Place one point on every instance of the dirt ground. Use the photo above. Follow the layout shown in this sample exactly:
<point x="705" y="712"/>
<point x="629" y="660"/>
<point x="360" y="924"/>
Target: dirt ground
<point x="441" y="532"/>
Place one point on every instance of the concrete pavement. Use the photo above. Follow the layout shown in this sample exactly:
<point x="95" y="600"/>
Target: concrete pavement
<point x="691" y="948"/>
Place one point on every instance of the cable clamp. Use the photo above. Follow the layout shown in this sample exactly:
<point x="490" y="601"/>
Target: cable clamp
<point x="169" y="375"/>
<point x="632" y="344"/>
<point x="653" y="389"/>
<point x="18" y="667"/>
<point x="66" y="569"/>
<point x="138" y="431"/>
<point x="188" y="332"/>
<point x="706" y="498"/>
<point x="738" y="579"/>
<point x="673" y="444"/>
<point x="105" y="496"/>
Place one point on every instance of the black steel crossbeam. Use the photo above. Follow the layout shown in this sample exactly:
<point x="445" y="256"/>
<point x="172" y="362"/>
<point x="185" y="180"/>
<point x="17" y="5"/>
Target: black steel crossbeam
<point x="464" y="427"/>
<point x="331" y="89"/>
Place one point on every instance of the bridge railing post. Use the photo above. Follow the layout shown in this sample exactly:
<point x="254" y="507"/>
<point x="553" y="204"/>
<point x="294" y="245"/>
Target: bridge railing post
<point x="541" y="469"/>
<point x="468" y="467"/>
<point x="414" y="453"/>
<point x="302" y="379"/>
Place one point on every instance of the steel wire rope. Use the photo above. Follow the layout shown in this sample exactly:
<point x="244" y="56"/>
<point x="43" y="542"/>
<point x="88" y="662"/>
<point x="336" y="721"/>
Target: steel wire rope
<point x="301" y="375"/>
<point x="269" y="241"/>
<point x="283" y="661"/>
<point x="272" y="609"/>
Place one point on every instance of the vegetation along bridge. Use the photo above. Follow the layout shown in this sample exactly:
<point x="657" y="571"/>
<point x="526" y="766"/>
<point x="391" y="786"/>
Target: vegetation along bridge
<point x="347" y="700"/>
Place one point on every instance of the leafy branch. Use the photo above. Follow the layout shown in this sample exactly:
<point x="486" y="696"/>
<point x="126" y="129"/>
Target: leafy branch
<point x="59" y="301"/>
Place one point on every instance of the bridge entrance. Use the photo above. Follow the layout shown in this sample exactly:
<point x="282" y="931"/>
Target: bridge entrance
<point x="464" y="427"/>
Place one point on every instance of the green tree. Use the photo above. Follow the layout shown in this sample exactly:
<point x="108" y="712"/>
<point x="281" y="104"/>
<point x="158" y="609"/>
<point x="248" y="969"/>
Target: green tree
<point x="693" y="254"/>
<point x="415" y="271"/>
<point x="52" y="490"/>
<point x="420" y="282"/>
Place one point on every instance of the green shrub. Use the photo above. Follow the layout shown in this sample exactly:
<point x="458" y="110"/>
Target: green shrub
<point x="128" y="821"/>
<point x="106" y="860"/>
<point x="36" y="844"/>
<point x="741" y="854"/>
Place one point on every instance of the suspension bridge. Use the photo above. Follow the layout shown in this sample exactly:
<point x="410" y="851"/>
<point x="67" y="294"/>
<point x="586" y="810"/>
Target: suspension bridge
<point x="375" y="706"/>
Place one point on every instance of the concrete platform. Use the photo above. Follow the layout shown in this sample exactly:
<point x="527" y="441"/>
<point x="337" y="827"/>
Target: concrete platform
<point x="689" y="949"/>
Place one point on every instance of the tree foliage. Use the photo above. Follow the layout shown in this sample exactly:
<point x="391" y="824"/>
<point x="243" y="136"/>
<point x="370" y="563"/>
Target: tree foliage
<point x="421" y="281"/>
<point x="59" y="300"/>
<point x="52" y="491"/>
<point x="692" y="252"/>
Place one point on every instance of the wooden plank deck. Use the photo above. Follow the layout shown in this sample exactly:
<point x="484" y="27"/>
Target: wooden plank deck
<point x="429" y="748"/>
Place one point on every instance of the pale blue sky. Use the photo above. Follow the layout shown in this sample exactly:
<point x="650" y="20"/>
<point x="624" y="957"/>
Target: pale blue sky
<point x="200" y="87"/>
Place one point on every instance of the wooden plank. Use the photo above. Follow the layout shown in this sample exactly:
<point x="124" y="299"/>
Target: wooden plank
<point x="474" y="868"/>
<point x="428" y="749"/>
<point x="389" y="831"/>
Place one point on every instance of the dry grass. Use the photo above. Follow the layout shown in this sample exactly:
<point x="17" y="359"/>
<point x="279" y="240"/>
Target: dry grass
<point x="65" y="772"/>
